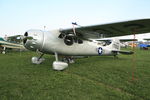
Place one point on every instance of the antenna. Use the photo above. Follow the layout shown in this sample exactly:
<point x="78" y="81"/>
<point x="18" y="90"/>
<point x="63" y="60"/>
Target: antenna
<point x="44" y="28"/>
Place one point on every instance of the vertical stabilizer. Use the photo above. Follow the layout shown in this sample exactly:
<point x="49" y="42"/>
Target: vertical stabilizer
<point x="115" y="44"/>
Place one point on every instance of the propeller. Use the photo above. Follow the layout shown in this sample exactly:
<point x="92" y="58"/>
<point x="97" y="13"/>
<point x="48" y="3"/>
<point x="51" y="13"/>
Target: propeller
<point x="26" y="37"/>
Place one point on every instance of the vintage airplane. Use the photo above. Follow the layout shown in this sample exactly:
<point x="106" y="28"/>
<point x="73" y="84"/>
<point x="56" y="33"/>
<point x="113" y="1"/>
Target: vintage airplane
<point x="10" y="43"/>
<point x="77" y="42"/>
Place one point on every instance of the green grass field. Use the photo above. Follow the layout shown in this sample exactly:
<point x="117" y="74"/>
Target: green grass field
<point x="94" y="78"/>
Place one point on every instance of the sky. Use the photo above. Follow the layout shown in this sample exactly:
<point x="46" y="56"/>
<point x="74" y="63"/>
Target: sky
<point x="18" y="16"/>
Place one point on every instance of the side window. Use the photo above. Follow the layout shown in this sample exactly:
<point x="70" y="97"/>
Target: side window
<point x="68" y="40"/>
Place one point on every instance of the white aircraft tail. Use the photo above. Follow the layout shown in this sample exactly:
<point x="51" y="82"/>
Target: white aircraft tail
<point x="115" y="44"/>
<point x="115" y="47"/>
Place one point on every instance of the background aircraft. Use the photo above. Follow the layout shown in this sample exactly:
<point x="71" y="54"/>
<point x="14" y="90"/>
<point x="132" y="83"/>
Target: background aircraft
<point x="12" y="42"/>
<point x="77" y="42"/>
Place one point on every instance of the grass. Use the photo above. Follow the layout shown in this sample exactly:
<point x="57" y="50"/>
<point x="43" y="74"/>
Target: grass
<point x="94" y="78"/>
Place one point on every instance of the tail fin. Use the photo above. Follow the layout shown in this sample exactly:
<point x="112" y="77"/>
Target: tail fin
<point x="115" y="44"/>
<point x="115" y="47"/>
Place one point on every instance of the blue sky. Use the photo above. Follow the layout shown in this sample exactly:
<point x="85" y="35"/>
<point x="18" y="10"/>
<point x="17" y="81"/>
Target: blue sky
<point x="17" y="16"/>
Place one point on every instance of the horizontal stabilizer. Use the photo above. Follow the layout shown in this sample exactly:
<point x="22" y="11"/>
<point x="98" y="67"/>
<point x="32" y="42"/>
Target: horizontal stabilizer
<point x="147" y="39"/>
<point x="121" y="40"/>
<point x="123" y="52"/>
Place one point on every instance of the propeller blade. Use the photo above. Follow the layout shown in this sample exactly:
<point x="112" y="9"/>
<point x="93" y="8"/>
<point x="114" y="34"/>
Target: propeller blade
<point x="26" y="37"/>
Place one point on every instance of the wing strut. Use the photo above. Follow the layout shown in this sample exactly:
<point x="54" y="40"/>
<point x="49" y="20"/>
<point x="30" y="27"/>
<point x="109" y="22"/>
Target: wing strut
<point x="74" y="30"/>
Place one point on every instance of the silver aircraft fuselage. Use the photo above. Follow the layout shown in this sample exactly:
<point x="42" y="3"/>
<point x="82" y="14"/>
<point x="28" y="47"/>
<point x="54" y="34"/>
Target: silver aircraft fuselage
<point x="48" y="42"/>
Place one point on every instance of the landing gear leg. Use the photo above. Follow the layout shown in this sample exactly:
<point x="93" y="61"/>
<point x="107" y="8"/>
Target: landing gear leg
<point x="115" y="56"/>
<point x="68" y="60"/>
<point x="38" y="60"/>
<point x="56" y="56"/>
<point x="41" y="56"/>
<point x="59" y="65"/>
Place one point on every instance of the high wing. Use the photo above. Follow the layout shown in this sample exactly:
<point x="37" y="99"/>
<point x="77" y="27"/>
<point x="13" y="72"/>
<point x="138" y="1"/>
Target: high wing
<point x="11" y="45"/>
<point x="15" y="38"/>
<point x="111" y="30"/>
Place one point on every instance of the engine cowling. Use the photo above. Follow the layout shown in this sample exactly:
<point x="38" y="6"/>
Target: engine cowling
<point x="37" y="40"/>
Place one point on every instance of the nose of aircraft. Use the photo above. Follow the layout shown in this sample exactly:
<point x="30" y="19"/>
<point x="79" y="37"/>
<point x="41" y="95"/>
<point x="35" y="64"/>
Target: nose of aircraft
<point x="33" y="39"/>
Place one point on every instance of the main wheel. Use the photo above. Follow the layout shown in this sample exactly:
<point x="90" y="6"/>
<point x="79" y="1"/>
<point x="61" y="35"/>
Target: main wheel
<point x="59" y="65"/>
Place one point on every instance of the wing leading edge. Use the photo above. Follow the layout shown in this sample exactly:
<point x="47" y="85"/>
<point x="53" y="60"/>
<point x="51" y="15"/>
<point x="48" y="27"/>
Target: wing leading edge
<point x="112" y="29"/>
